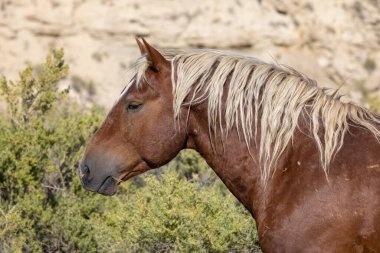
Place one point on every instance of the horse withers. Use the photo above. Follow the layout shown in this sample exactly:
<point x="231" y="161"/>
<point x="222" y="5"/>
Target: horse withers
<point x="305" y="164"/>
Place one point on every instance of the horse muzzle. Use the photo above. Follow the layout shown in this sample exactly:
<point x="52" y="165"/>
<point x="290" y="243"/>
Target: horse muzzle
<point x="105" y="185"/>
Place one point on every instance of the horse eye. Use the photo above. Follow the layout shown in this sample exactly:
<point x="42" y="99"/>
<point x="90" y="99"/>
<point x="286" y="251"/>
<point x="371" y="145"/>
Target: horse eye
<point x="134" y="107"/>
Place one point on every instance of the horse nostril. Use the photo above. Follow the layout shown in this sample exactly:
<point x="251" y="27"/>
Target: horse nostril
<point x="86" y="169"/>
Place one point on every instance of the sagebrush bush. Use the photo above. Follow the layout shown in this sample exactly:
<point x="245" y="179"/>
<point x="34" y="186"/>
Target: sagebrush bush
<point x="43" y="207"/>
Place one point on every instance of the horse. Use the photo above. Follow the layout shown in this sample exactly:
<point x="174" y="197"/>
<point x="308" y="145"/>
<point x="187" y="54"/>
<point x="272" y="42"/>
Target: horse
<point x="305" y="164"/>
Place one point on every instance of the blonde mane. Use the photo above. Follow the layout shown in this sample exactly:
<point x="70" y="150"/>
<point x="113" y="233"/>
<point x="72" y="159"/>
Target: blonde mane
<point x="261" y="96"/>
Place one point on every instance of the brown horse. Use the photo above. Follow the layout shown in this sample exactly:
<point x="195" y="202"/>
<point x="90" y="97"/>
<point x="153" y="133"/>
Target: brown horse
<point x="305" y="164"/>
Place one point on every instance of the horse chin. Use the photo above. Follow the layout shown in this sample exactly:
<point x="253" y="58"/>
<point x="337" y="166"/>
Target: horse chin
<point x="108" y="187"/>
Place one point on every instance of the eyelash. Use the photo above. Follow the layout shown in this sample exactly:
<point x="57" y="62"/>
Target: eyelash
<point x="133" y="107"/>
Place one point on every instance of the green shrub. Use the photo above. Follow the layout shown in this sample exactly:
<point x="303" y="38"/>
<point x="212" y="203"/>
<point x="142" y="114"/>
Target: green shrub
<point x="43" y="207"/>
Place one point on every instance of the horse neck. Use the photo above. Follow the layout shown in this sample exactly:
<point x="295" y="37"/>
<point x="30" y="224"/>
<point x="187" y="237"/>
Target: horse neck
<point x="229" y="158"/>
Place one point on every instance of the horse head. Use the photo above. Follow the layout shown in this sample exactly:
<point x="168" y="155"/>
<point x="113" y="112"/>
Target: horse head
<point x="139" y="133"/>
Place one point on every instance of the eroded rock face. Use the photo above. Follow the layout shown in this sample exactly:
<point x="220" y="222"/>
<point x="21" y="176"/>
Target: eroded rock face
<point x="334" y="42"/>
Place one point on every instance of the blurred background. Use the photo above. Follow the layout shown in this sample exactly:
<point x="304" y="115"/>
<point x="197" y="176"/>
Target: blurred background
<point x="183" y="206"/>
<point x="335" y="42"/>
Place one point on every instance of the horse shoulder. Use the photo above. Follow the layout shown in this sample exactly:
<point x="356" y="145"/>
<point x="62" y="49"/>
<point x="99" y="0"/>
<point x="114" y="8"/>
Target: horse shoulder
<point x="307" y="210"/>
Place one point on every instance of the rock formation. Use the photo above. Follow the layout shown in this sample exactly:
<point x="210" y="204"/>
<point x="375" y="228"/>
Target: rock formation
<point x="335" y="42"/>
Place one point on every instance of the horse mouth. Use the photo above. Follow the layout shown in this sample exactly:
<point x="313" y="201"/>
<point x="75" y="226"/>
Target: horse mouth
<point x="108" y="187"/>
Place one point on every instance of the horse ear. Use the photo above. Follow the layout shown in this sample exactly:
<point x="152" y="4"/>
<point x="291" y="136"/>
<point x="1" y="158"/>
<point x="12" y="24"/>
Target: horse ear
<point x="141" y="46"/>
<point x="155" y="59"/>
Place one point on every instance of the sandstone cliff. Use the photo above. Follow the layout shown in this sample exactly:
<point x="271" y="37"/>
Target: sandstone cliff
<point x="335" y="42"/>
